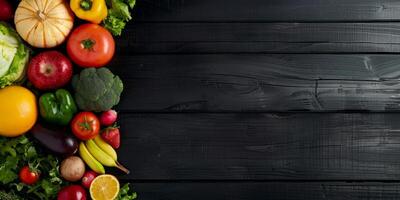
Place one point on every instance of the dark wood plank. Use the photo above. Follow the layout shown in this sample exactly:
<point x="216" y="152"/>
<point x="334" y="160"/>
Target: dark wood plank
<point x="296" y="146"/>
<point x="271" y="10"/>
<point x="259" y="82"/>
<point x="267" y="190"/>
<point x="259" y="37"/>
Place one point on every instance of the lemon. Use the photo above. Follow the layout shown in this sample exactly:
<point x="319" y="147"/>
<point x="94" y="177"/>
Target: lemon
<point x="18" y="111"/>
<point x="104" y="187"/>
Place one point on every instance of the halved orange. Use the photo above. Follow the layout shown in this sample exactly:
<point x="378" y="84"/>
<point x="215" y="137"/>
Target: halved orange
<point x="104" y="187"/>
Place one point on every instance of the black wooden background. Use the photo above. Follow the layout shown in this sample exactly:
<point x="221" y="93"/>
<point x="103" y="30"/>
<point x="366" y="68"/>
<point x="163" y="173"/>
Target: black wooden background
<point x="261" y="99"/>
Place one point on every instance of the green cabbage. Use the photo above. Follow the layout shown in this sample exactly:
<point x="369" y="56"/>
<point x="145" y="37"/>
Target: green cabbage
<point x="14" y="56"/>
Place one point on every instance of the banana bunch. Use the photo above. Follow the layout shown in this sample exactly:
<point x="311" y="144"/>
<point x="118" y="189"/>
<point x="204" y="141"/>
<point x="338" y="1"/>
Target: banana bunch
<point x="97" y="153"/>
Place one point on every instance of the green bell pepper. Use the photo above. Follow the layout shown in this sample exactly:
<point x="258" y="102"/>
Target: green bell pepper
<point x="58" y="107"/>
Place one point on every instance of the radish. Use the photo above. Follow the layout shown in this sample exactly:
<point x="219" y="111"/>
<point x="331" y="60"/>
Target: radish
<point x="88" y="178"/>
<point x="108" y="117"/>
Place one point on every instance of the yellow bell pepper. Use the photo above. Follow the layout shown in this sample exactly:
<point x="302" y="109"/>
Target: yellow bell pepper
<point x="91" y="10"/>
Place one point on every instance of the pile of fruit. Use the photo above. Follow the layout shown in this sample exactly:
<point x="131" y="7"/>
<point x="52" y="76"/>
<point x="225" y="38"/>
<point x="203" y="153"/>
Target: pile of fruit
<point x="58" y="129"/>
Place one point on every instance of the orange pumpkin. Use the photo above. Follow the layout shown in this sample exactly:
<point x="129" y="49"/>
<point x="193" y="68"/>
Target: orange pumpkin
<point x="43" y="23"/>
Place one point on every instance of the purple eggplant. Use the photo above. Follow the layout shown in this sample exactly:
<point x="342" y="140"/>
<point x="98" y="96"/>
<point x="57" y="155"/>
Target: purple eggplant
<point x="55" y="139"/>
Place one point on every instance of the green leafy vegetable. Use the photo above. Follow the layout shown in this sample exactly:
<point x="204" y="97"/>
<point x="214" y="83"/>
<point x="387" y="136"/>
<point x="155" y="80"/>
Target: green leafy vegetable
<point x="97" y="89"/>
<point x="120" y="10"/>
<point x="9" y="196"/>
<point x="114" y="24"/>
<point x="14" y="56"/>
<point x="124" y="193"/>
<point x="118" y="15"/>
<point x="131" y="3"/>
<point x="18" y="152"/>
<point x="7" y="174"/>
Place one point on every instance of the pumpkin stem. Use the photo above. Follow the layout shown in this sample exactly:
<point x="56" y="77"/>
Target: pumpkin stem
<point x="40" y="15"/>
<point x="86" y="4"/>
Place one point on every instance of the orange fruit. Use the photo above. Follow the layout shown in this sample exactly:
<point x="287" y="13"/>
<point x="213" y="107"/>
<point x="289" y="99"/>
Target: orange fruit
<point x="104" y="187"/>
<point x="18" y="111"/>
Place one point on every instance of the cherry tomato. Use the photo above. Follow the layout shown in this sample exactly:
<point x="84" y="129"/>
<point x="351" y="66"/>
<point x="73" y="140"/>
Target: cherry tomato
<point x="85" y="125"/>
<point x="90" y="45"/>
<point x="27" y="176"/>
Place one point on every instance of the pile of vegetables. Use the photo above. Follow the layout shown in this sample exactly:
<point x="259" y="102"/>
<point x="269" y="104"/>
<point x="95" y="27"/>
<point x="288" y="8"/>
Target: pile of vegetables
<point x="60" y="133"/>
<point x="20" y="153"/>
<point x="114" y="14"/>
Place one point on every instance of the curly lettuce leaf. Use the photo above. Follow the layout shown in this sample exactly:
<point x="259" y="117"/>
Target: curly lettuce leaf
<point x="114" y="25"/>
<point x="118" y="15"/>
<point x="131" y="3"/>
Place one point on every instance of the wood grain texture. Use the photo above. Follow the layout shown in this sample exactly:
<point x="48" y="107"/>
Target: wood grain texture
<point x="259" y="38"/>
<point x="262" y="82"/>
<point x="243" y="58"/>
<point x="269" y="190"/>
<point x="271" y="10"/>
<point x="296" y="146"/>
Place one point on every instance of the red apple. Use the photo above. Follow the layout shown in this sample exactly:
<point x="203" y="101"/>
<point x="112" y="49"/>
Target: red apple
<point x="49" y="70"/>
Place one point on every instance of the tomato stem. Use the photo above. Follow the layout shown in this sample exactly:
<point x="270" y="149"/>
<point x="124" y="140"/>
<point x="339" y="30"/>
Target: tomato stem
<point x="88" y="44"/>
<point x="86" y="4"/>
<point x="86" y="125"/>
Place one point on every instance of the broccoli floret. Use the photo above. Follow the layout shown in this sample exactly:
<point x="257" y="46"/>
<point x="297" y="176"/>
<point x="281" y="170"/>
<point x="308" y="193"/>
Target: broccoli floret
<point x="97" y="89"/>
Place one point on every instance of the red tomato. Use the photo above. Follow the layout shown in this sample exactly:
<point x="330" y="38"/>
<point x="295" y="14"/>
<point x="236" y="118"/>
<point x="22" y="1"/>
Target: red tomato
<point x="85" y="125"/>
<point x="27" y="176"/>
<point x="90" y="45"/>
